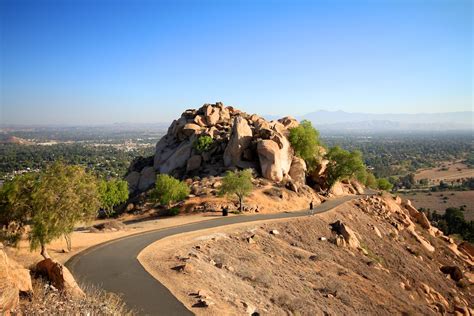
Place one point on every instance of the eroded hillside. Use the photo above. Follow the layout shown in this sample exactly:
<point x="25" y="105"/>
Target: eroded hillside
<point x="370" y="256"/>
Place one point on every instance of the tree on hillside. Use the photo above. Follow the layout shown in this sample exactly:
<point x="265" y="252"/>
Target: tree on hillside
<point x="16" y="206"/>
<point x="384" y="184"/>
<point x="112" y="193"/>
<point x="305" y="141"/>
<point x="65" y="195"/>
<point x="238" y="183"/>
<point x="169" y="190"/>
<point x="343" y="164"/>
<point x="52" y="202"/>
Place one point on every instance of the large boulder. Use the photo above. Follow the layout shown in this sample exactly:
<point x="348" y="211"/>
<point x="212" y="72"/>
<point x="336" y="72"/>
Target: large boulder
<point x="178" y="159"/>
<point x="298" y="170"/>
<point x="240" y="139"/>
<point x="337" y="189"/>
<point x="418" y="216"/>
<point x="191" y="129"/>
<point x="59" y="276"/>
<point x="147" y="178"/>
<point x="211" y="114"/>
<point x="9" y="292"/>
<point x="193" y="163"/>
<point x="349" y="236"/>
<point x="358" y="187"/>
<point x="133" y="178"/>
<point x="14" y="279"/>
<point x="289" y="122"/>
<point x="270" y="164"/>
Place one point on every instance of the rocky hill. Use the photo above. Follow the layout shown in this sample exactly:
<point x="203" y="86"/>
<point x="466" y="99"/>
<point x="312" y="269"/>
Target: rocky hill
<point x="239" y="140"/>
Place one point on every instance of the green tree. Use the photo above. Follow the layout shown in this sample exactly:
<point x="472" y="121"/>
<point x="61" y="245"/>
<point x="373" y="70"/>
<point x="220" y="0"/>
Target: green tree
<point x="64" y="196"/>
<point x="16" y="206"/>
<point x="169" y="190"/>
<point x="238" y="183"/>
<point x="343" y="164"/>
<point x="112" y="193"/>
<point x="203" y="143"/>
<point x="52" y="202"/>
<point x="305" y="141"/>
<point x="384" y="184"/>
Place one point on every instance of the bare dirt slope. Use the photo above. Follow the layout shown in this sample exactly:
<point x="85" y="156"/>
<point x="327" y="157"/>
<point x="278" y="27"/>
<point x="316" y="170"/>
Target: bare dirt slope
<point x="384" y="264"/>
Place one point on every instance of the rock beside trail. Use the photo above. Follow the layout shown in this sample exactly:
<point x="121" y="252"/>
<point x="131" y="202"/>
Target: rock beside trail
<point x="14" y="280"/>
<point x="239" y="140"/>
<point x="59" y="276"/>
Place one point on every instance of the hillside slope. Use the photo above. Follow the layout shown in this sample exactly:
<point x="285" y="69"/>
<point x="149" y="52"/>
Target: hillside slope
<point x="381" y="258"/>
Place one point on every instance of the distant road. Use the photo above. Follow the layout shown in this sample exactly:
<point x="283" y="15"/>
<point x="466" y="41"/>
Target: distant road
<point x="114" y="266"/>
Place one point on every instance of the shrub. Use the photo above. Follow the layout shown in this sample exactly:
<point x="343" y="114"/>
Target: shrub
<point x="203" y="143"/>
<point x="169" y="190"/>
<point x="112" y="193"/>
<point x="305" y="141"/>
<point x="173" y="211"/>
<point x="384" y="184"/>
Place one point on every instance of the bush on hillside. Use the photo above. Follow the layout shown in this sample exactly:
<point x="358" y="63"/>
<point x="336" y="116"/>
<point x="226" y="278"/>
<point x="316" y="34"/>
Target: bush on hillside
<point x="305" y="141"/>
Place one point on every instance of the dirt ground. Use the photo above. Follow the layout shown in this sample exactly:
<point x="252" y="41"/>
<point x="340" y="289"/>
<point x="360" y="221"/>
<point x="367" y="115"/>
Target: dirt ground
<point x="301" y="271"/>
<point x="455" y="170"/>
<point x="440" y="201"/>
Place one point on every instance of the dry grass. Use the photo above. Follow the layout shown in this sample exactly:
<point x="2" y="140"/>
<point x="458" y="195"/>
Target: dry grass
<point x="440" y="201"/>
<point x="47" y="300"/>
<point x="447" y="171"/>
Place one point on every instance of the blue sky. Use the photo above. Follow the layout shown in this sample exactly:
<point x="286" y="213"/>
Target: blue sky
<point x="90" y="62"/>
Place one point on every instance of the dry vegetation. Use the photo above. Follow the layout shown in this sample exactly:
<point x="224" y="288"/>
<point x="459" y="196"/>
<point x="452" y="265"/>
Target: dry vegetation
<point x="446" y="171"/>
<point x="47" y="300"/>
<point x="440" y="201"/>
<point x="238" y="270"/>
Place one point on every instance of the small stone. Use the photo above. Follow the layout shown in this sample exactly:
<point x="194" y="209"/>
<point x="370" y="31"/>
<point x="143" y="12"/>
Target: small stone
<point x="322" y="238"/>
<point x="274" y="232"/>
<point x="313" y="258"/>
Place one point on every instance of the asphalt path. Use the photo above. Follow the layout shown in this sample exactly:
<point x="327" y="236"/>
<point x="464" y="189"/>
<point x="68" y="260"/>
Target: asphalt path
<point x="114" y="267"/>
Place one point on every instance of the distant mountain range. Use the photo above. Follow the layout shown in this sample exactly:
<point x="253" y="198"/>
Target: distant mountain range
<point x="345" y="121"/>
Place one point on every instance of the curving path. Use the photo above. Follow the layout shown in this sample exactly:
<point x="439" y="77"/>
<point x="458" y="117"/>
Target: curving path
<point x="114" y="265"/>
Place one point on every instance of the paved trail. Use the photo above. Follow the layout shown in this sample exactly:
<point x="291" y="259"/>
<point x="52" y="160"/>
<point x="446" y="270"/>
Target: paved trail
<point x="114" y="265"/>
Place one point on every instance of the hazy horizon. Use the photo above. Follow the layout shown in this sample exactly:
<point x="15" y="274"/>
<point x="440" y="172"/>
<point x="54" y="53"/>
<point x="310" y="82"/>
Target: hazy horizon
<point x="100" y="62"/>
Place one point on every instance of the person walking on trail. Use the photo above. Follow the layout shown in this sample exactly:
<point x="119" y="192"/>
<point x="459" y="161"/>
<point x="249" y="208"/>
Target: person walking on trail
<point x="311" y="210"/>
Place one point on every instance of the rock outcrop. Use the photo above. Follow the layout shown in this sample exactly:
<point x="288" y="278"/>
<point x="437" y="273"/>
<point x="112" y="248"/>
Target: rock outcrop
<point x="14" y="280"/>
<point x="59" y="276"/>
<point x="239" y="140"/>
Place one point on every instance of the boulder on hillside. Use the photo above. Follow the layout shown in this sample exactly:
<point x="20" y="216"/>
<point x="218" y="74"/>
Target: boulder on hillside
<point x="240" y="139"/>
<point x="59" y="276"/>
<point x="13" y="280"/>
<point x="349" y="236"/>
<point x="418" y="216"/>
<point x="147" y="178"/>
<point x="337" y="189"/>
<point x="270" y="163"/>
